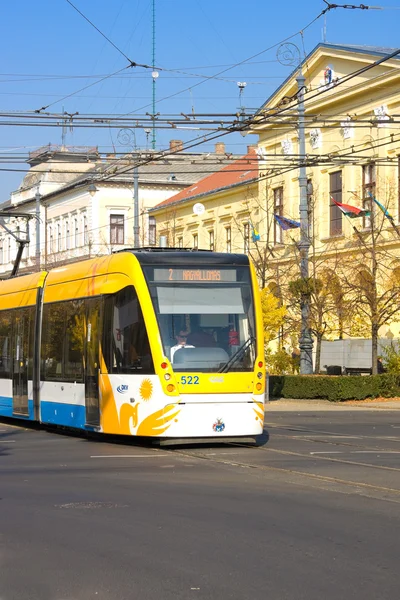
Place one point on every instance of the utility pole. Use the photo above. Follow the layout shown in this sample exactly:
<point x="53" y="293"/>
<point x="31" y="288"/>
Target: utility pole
<point x="136" y="238"/>
<point x="306" y="342"/>
<point x="154" y="73"/>
<point x="37" y="198"/>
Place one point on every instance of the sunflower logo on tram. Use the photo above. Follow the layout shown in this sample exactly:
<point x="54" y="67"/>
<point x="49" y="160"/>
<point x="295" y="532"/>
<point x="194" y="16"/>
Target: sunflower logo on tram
<point x="219" y="426"/>
<point x="146" y="389"/>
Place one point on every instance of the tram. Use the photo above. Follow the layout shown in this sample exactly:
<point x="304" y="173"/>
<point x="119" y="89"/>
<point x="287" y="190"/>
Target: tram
<point x="151" y="342"/>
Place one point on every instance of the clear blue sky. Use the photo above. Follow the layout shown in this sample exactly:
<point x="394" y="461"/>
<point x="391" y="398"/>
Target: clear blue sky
<point x="49" y="38"/>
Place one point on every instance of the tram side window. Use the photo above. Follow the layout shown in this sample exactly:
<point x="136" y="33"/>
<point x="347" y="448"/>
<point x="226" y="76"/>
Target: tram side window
<point x="125" y="339"/>
<point x="23" y="328"/>
<point x="52" y="341"/>
<point x="63" y="341"/>
<point x="74" y="340"/>
<point x="5" y="344"/>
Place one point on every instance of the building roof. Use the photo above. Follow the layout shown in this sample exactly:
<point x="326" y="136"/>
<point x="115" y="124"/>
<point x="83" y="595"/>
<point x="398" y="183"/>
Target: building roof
<point x="377" y="51"/>
<point x="175" y="170"/>
<point x="238" y="172"/>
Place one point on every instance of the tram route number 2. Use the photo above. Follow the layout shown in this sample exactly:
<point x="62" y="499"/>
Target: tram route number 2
<point x="189" y="380"/>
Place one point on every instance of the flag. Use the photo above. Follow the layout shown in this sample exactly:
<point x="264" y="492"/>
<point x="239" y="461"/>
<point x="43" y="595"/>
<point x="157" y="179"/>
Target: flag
<point x="255" y="236"/>
<point x="351" y="211"/>
<point x="383" y="209"/>
<point x="286" y="223"/>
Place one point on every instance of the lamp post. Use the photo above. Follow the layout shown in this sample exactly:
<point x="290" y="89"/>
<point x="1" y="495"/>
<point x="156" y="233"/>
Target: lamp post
<point x="306" y="342"/>
<point x="289" y="54"/>
<point x="127" y="137"/>
<point x="37" y="201"/>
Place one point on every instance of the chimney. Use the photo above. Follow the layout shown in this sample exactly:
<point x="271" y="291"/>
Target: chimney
<point x="251" y="149"/>
<point x="176" y="145"/>
<point x="220" y="148"/>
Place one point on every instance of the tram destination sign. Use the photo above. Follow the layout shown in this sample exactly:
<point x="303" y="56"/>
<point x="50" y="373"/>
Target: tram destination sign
<point x="202" y="275"/>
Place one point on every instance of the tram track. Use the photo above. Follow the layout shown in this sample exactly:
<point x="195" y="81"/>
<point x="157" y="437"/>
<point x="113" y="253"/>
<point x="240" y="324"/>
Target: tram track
<point x="367" y="487"/>
<point x="333" y="438"/>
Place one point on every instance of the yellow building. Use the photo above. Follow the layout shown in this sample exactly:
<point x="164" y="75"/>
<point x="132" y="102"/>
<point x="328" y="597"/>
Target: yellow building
<point x="352" y="136"/>
<point x="216" y="213"/>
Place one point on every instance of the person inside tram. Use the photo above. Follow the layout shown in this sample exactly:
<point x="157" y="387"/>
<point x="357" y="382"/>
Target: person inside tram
<point x="200" y="338"/>
<point x="182" y="342"/>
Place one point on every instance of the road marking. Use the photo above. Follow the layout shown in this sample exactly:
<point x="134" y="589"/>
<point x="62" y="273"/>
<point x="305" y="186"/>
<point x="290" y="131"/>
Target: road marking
<point x="360" y="452"/>
<point x="333" y="452"/>
<point x="130" y="456"/>
<point x="7" y="441"/>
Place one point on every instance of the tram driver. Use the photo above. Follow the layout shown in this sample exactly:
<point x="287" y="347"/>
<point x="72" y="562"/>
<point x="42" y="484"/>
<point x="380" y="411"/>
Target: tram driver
<point x="181" y="340"/>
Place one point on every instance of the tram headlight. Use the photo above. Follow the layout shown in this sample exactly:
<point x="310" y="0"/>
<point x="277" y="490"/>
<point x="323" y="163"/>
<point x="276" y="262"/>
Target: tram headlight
<point x="167" y="376"/>
<point x="259" y="375"/>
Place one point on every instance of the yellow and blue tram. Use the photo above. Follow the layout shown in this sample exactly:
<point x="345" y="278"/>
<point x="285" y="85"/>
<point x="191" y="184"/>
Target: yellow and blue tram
<point x="160" y="343"/>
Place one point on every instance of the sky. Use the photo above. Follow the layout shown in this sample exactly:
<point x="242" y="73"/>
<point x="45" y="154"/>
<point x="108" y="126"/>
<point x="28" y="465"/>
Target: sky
<point x="49" y="51"/>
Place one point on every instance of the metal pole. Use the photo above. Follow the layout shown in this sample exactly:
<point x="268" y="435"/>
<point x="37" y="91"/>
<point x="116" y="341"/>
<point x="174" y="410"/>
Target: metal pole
<point x="153" y="141"/>
<point x="306" y="342"/>
<point x="136" y="239"/>
<point x="37" y="197"/>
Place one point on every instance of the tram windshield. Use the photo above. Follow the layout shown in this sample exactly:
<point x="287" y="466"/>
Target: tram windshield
<point x="205" y="316"/>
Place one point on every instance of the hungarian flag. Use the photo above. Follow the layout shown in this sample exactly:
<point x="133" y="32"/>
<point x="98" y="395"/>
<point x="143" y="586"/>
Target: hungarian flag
<point x="351" y="211"/>
<point x="286" y="223"/>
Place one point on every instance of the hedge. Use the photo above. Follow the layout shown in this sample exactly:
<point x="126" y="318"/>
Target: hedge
<point x="334" y="388"/>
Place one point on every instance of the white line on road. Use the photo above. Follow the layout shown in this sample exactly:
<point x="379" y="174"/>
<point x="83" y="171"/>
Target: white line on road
<point x="7" y="441"/>
<point x="360" y="452"/>
<point x="130" y="456"/>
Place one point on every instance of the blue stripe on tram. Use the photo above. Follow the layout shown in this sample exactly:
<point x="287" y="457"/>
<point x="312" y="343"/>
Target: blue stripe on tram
<point x="6" y="409"/>
<point x="68" y="415"/>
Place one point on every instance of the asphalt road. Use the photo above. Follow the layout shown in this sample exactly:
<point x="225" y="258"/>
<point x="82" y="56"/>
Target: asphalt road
<point x="313" y="513"/>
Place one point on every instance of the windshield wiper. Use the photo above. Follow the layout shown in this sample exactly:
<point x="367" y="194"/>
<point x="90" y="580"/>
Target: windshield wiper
<point x="237" y="354"/>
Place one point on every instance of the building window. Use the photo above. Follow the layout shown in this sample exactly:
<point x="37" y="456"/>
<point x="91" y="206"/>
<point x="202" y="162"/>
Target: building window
<point x="1" y="253"/>
<point x="335" y="193"/>
<point x="76" y="228"/>
<point x="152" y="231"/>
<point x="246" y="237"/>
<point x="195" y="241"/>
<point x="211" y="239"/>
<point x="67" y="236"/>
<point x="117" y="229"/>
<point x="310" y="207"/>
<point x="369" y="188"/>
<point x="398" y="188"/>
<point x="180" y="242"/>
<point x="58" y="237"/>
<point x="50" y="241"/>
<point x="278" y="210"/>
<point x="228" y="237"/>
<point x="85" y="231"/>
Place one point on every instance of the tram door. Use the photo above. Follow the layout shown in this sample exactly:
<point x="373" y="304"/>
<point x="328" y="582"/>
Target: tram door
<point x="22" y="348"/>
<point x="92" y="363"/>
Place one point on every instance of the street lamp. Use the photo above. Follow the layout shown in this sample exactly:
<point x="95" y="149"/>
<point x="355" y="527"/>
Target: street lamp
<point x="289" y="54"/>
<point x="37" y="199"/>
<point x="92" y="189"/>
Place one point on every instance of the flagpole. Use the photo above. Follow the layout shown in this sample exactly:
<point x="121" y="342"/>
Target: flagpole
<point x="305" y="341"/>
<point x="385" y="213"/>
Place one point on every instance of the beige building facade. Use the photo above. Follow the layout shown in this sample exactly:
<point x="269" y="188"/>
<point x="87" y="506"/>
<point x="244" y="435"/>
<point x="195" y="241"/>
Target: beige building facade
<point x="87" y="200"/>
<point x="352" y="137"/>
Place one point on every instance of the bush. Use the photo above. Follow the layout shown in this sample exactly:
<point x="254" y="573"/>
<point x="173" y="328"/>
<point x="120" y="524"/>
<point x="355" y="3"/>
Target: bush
<point x="279" y="362"/>
<point x="391" y="358"/>
<point x="335" y="389"/>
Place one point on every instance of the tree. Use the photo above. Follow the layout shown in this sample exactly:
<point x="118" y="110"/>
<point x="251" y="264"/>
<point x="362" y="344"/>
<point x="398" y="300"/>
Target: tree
<point x="273" y="315"/>
<point x="371" y="273"/>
